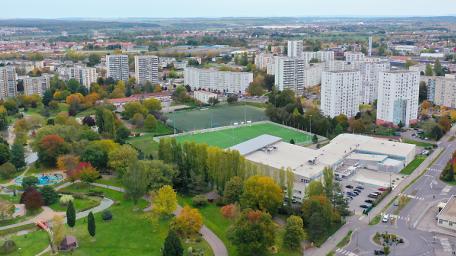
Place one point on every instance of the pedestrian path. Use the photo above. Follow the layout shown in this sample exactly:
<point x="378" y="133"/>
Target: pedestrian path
<point x="341" y="251"/>
<point x="445" y="190"/>
<point x="412" y="196"/>
<point x="445" y="244"/>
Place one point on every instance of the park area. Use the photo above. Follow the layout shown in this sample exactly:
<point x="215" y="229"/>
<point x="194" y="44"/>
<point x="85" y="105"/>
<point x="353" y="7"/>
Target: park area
<point x="229" y="137"/>
<point x="211" y="117"/>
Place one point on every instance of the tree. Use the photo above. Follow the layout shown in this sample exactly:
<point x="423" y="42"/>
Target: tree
<point x="213" y="101"/>
<point x="253" y="233"/>
<point x="173" y="245"/>
<point x="188" y="223"/>
<point x="230" y="211"/>
<point x="89" y="121"/>
<point x="150" y="123"/>
<point x="29" y="181"/>
<point x="138" y="120"/>
<point x="165" y="202"/>
<point x="91" y="224"/>
<point x="328" y="182"/>
<point x="428" y="71"/>
<point x="121" y="158"/>
<point x="315" y="188"/>
<point x="71" y="215"/>
<point x="314" y="139"/>
<point x="122" y="134"/>
<point x="233" y="190"/>
<point x="7" y="170"/>
<point x="133" y="108"/>
<point x="58" y="231"/>
<point x="135" y="182"/>
<point x="152" y="105"/>
<point x="5" y="154"/>
<point x="49" y="195"/>
<point x="422" y="91"/>
<point x="294" y="233"/>
<point x="50" y="147"/>
<point x="88" y="173"/>
<point x="317" y="215"/>
<point x="232" y="98"/>
<point x="17" y="155"/>
<point x="94" y="59"/>
<point x="32" y="199"/>
<point x="255" y="89"/>
<point x="119" y="90"/>
<point x="438" y="70"/>
<point x="261" y="192"/>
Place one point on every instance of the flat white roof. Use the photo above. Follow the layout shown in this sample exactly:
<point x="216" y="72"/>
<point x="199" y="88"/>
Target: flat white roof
<point x="449" y="211"/>
<point x="367" y="157"/>
<point x="255" y="144"/>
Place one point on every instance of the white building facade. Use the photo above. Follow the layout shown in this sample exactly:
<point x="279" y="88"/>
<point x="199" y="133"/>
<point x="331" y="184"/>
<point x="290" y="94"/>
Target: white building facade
<point x="289" y="74"/>
<point x="217" y="81"/>
<point x="8" y="82"/>
<point x="444" y="90"/>
<point x="339" y="93"/>
<point x="295" y="49"/>
<point x="117" y="67"/>
<point x="36" y="85"/>
<point x="370" y="69"/>
<point x="204" y="96"/>
<point x="354" y="56"/>
<point x="398" y="94"/>
<point x="146" y="69"/>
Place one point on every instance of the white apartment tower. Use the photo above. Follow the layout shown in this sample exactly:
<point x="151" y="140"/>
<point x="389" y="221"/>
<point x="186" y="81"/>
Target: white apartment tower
<point x="338" y="92"/>
<point x="370" y="69"/>
<point x="217" y="81"/>
<point x="354" y="56"/>
<point x="321" y="56"/>
<point x="398" y="97"/>
<point x="289" y="74"/>
<point x="295" y="49"/>
<point x="146" y="69"/>
<point x="8" y="82"/>
<point x="444" y="90"/>
<point x="84" y="75"/>
<point x="36" y="85"/>
<point x="117" y="67"/>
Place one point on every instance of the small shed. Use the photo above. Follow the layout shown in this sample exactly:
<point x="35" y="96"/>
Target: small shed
<point x="69" y="243"/>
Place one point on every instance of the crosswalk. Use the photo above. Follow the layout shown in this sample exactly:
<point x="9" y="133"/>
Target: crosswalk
<point x="341" y="251"/>
<point x="428" y="253"/>
<point x="398" y="217"/>
<point x="412" y="196"/>
<point x="445" y="244"/>
<point x="445" y="190"/>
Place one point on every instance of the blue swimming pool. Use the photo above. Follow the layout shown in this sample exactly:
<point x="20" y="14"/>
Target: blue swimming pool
<point x="44" y="179"/>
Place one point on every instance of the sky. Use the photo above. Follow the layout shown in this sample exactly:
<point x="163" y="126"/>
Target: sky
<point x="221" y="8"/>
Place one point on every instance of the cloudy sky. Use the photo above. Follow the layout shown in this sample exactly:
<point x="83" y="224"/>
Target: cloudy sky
<point x="222" y="8"/>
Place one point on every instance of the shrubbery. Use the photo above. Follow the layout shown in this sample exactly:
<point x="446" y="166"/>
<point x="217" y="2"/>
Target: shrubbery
<point x="199" y="201"/>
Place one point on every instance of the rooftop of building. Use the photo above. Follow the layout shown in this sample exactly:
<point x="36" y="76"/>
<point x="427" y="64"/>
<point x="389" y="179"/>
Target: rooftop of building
<point x="449" y="211"/>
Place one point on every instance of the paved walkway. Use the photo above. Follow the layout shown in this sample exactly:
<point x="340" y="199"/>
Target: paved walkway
<point x="218" y="247"/>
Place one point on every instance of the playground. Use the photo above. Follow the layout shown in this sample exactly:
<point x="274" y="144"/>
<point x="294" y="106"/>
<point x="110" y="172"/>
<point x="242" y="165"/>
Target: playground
<point x="230" y="136"/>
<point x="212" y="117"/>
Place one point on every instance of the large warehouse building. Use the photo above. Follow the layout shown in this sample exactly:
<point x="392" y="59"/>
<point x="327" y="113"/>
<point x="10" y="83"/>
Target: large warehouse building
<point x="308" y="164"/>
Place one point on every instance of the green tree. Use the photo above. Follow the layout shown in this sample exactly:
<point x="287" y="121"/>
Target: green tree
<point x="422" y="91"/>
<point x="165" y="202"/>
<point x="328" y="182"/>
<point x="173" y="245"/>
<point x="49" y="195"/>
<point x="314" y="139"/>
<point x="152" y="105"/>
<point x="428" y="71"/>
<point x="315" y="188"/>
<point x="438" y="70"/>
<point x="135" y="182"/>
<point x="294" y="232"/>
<point x="261" y="192"/>
<point x="233" y="190"/>
<point x="29" y="181"/>
<point x="17" y="155"/>
<point x="121" y="158"/>
<point x="91" y="224"/>
<point x="5" y="154"/>
<point x="150" y="123"/>
<point x="253" y="233"/>
<point x="71" y="215"/>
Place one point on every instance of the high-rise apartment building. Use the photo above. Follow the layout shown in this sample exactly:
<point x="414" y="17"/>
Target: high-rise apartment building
<point x="217" y="81"/>
<point x="289" y="74"/>
<point x="117" y="67"/>
<point x="8" y="82"/>
<point x="146" y="69"/>
<point x="354" y="56"/>
<point x="444" y="90"/>
<point x="370" y="69"/>
<point x="295" y="49"/>
<point x="398" y="94"/>
<point x="338" y="92"/>
<point x="321" y="56"/>
<point x="36" y="85"/>
<point x="84" y="75"/>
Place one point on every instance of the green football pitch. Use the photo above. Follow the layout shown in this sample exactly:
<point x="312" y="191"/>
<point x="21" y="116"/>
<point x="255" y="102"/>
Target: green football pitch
<point x="232" y="136"/>
<point x="211" y="117"/>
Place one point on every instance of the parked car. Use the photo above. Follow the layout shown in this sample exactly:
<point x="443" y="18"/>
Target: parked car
<point x="355" y="193"/>
<point x="379" y="252"/>
<point x="372" y="195"/>
<point x="382" y="189"/>
<point x="357" y="190"/>
<point x="350" y="193"/>
<point x="349" y="186"/>
<point x="360" y="187"/>
<point x="377" y="193"/>
<point x="369" y="201"/>
<point x="364" y="206"/>
<point x="385" y="218"/>
<point x="338" y="178"/>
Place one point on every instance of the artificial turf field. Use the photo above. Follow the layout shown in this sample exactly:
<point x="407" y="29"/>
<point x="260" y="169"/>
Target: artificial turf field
<point x="211" y="117"/>
<point x="232" y="136"/>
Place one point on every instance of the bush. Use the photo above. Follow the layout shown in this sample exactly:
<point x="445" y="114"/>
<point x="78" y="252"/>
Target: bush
<point x="65" y="199"/>
<point x="106" y="215"/>
<point x="32" y="199"/>
<point x="8" y="247"/>
<point x="7" y="170"/>
<point x="29" y="181"/>
<point x="97" y="193"/>
<point x="49" y="195"/>
<point x="199" y="201"/>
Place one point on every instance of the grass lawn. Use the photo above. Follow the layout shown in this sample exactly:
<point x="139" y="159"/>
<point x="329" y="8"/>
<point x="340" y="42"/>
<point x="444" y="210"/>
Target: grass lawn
<point x="128" y="233"/>
<point x="345" y="240"/>
<point x="221" y="115"/>
<point x="145" y="143"/>
<point x="161" y="129"/>
<point x="111" y="181"/>
<point x="418" y="143"/>
<point x="30" y="244"/>
<point x="413" y="165"/>
<point x="232" y="136"/>
<point x="80" y="204"/>
<point x="214" y="220"/>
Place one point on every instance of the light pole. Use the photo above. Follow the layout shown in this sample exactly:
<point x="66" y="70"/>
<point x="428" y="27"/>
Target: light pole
<point x="310" y="125"/>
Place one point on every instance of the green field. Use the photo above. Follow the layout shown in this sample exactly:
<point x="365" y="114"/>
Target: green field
<point x="413" y="165"/>
<point x="232" y="136"/>
<point x="223" y="115"/>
